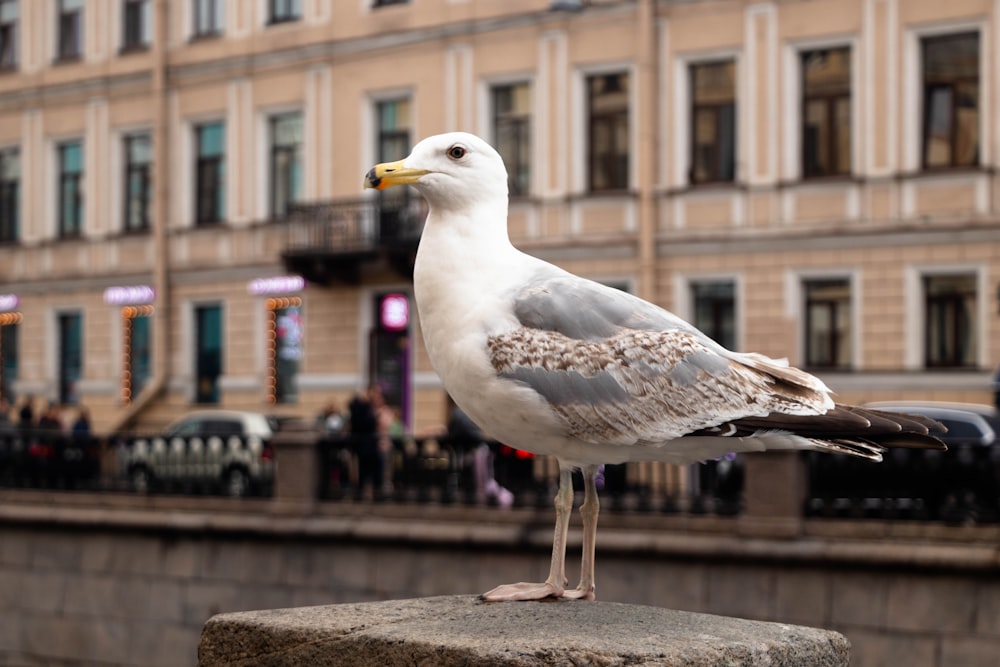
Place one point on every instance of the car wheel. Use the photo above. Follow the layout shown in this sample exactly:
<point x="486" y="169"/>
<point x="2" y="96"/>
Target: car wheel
<point x="237" y="483"/>
<point x="139" y="480"/>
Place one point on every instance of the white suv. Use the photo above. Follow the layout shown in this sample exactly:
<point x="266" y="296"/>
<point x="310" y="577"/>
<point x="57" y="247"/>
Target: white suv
<point x="227" y="450"/>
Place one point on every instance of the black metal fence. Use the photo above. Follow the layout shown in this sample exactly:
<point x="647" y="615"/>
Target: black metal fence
<point x="961" y="485"/>
<point x="453" y="471"/>
<point x="38" y="458"/>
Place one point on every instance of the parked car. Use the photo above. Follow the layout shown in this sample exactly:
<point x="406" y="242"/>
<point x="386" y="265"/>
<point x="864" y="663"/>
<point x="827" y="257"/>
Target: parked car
<point x="211" y="450"/>
<point x="967" y="423"/>
<point x="958" y="485"/>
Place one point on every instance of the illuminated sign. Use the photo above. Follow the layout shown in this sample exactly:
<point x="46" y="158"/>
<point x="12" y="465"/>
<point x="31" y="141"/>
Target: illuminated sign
<point x="132" y="294"/>
<point x="276" y="285"/>
<point x="394" y="312"/>
<point x="9" y="302"/>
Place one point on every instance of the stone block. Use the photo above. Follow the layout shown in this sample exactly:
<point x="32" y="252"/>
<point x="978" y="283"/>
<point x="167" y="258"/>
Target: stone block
<point x="933" y="604"/>
<point x="874" y="649"/>
<point x="858" y="599"/>
<point x="460" y="630"/>
<point x="745" y="591"/>
<point x="988" y="609"/>
<point x="802" y="596"/>
<point x="970" y="652"/>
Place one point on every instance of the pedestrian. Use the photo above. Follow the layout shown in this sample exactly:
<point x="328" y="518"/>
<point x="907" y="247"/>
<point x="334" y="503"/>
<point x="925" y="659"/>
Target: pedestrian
<point x="364" y="439"/>
<point x="26" y="415"/>
<point x="81" y="426"/>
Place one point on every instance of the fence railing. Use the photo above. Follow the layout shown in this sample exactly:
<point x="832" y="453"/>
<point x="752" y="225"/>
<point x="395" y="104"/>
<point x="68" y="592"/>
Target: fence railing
<point x="961" y="485"/>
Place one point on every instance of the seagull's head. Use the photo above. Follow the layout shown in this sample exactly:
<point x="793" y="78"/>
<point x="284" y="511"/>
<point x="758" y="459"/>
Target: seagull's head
<point x="453" y="169"/>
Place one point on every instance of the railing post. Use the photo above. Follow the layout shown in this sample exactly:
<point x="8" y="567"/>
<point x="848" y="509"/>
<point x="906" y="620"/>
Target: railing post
<point x="296" y="476"/>
<point x="774" y="494"/>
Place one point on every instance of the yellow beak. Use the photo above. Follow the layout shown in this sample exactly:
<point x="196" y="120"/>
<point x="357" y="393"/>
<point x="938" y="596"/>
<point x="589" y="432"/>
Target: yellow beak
<point x="388" y="174"/>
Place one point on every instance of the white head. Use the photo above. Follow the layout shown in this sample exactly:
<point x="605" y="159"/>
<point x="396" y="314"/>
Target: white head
<point x="454" y="171"/>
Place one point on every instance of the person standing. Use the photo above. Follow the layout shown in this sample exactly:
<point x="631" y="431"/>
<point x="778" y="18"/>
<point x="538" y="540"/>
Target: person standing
<point x="364" y="438"/>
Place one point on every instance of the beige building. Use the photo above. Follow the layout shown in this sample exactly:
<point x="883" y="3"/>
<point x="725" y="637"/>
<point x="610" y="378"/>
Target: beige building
<point x="812" y="179"/>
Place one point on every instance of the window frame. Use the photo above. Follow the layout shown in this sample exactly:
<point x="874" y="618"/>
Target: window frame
<point x="215" y="188"/>
<point x="70" y="358"/>
<point x="925" y="101"/>
<point x="9" y="36"/>
<point x="137" y="32"/>
<point x="69" y="24"/>
<point x="283" y="11"/>
<point x="204" y="356"/>
<point x="519" y="173"/>
<point x="836" y="338"/>
<point x="295" y="161"/>
<point x="10" y="197"/>
<point x="972" y="327"/>
<point x="70" y="183"/>
<point x="717" y="330"/>
<point x="214" y="16"/>
<point x="618" y="182"/>
<point x="694" y="106"/>
<point x="144" y="171"/>
<point x="830" y="100"/>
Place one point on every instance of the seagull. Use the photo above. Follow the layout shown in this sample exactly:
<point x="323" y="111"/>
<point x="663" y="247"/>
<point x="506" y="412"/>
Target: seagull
<point x="559" y="365"/>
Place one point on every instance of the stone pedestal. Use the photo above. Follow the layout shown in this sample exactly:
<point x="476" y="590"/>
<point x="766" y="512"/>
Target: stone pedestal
<point x="460" y="630"/>
<point x="774" y="494"/>
<point x="296" y="478"/>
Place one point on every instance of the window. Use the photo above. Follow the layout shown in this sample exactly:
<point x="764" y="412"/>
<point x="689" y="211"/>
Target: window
<point x="390" y="344"/>
<point x="713" y="122"/>
<point x="137" y="182"/>
<point x="10" y="195"/>
<point x="714" y="308"/>
<point x="207" y="17"/>
<point x="826" y="112"/>
<point x="950" y="332"/>
<point x="136" y="342"/>
<point x="8" y="34"/>
<point x="511" y="104"/>
<point x="135" y="23"/>
<point x="10" y="326"/>
<point x="70" y="29"/>
<point x="608" y="140"/>
<point x="208" y="353"/>
<point x="285" y="10"/>
<point x="827" y="323"/>
<point x="70" y="189"/>
<point x="210" y="173"/>
<point x="394" y="120"/>
<point x="70" y="357"/>
<point x="286" y="162"/>
<point x="951" y="100"/>
<point x="394" y="124"/>
<point x="286" y="329"/>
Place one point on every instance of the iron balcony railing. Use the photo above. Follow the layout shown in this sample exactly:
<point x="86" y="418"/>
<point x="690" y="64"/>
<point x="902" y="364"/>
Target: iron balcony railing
<point x="357" y="225"/>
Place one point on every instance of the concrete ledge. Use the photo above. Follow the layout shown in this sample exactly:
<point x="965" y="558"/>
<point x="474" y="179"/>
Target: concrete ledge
<point x="460" y="630"/>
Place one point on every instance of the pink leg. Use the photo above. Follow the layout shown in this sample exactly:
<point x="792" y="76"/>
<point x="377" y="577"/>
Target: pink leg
<point x="589" y="511"/>
<point x="555" y="585"/>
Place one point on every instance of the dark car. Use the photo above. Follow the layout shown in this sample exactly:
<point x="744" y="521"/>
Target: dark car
<point x="961" y="484"/>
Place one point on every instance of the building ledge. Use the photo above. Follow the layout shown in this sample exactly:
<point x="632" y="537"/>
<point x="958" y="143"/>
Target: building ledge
<point x="460" y="630"/>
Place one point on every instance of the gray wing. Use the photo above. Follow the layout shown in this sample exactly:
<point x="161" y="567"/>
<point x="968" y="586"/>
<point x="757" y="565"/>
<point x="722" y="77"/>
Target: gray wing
<point x="587" y="310"/>
<point x="619" y="370"/>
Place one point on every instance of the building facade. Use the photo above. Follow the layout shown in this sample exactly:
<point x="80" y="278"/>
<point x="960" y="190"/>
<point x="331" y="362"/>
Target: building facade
<point x="182" y="222"/>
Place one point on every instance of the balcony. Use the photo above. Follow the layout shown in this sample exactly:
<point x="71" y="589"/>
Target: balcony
<point x="336" y="241"/>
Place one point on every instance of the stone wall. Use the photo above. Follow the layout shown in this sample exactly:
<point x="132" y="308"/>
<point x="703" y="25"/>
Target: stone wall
<point x="89" y="580"/>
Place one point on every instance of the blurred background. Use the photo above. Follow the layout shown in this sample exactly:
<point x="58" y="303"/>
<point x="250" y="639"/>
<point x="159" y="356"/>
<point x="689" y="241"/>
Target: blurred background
<point x="188" y="265"/>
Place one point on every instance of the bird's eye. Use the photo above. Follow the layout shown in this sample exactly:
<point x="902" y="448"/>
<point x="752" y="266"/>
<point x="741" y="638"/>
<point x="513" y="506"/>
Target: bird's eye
<point x="456" y="152"/>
